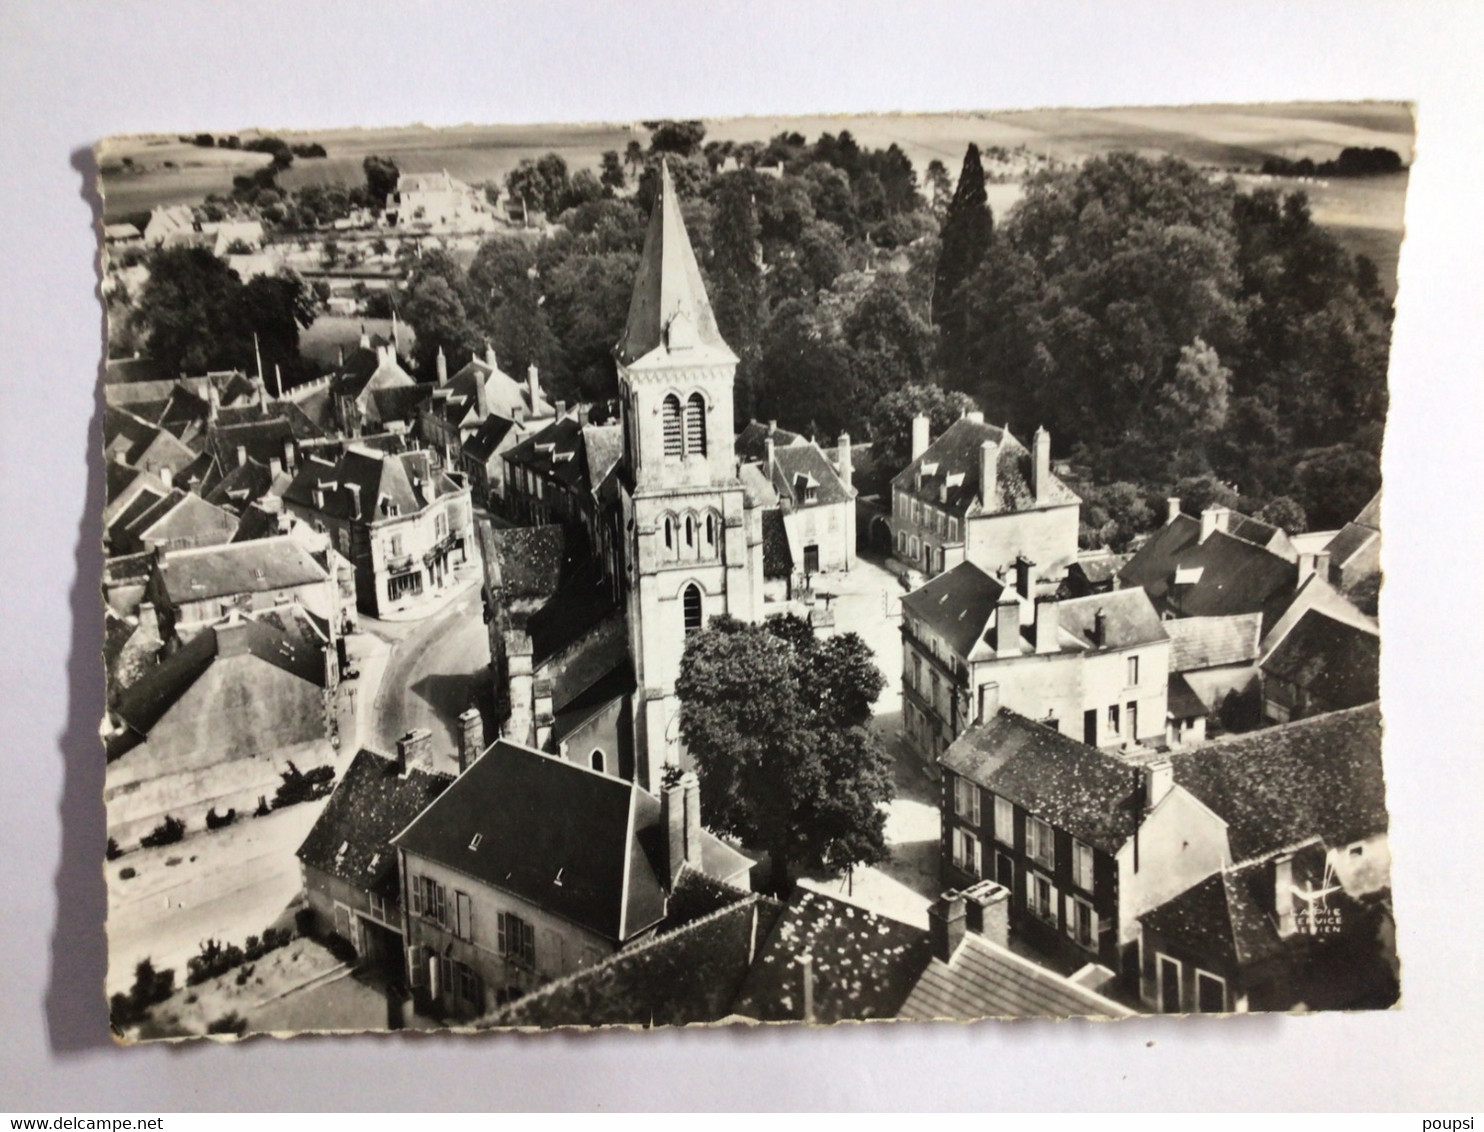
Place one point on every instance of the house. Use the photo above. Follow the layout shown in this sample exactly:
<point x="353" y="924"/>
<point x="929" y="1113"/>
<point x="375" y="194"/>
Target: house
<point x="406" y="527"/>
<point x="217" y="721"/>
<point x="752" y="446"/>
<point x="483" y="458"/>
<point x="171" y="224"/>
<point x="1094" y="572"/>
<point x="1084" y="842"/>
<point x="426" y="201"/>
<point x="352" y="883"/>
<point x="529" y="867"/>
<point x="1213" y="672"/>
<point x="1197" y="568"/>
<point x="193" y="588"/>
<point x="816" y="501"/>
<point x="1095" y="667"/>
<point x="1323" y="665"/>
<point x="977" y="495"/>
<point x="129" y="439"/>
<point x="1302" y="914"/>
<point x="173" y="519"/>
<point x="1354" y="555"/>
<point x="122" y="235"/>
<point x="974" y="974"/>
<point x="370" y="391"/>
<point x="235" y="237"/>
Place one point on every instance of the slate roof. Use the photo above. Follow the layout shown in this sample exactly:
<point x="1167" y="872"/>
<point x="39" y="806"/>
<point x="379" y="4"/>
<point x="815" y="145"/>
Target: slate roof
<point x="958" y="605"/>
<point x="1248" y="529"/>
<point x="368" y="368"/>
<point x="130" y="437"/>
<point x="864" y="964"/>
<point x="984" y="980"/>
<point x="237" y="568"/>
<point x="371" y="804"/>
<point x="1352" y="539"/>
<point x="581" y="605"/>
<point x="507" y="396"/>
<point x="756" y="490"/>
<point x="1370" y="514"/>
<point x="670" y="318"/>
<point x="807" y="463"/>
<point x="1338" y="664"/>
<point x="1279" y="786"/>
<point x="290" y="643"/>
<point x="1225" y="917"/>
<point x="1096" y="797"/>
<point x="481" y="446"/>
<point x="573" y="713"/>
<point x="953" y="461"/>
<point x="602" y="448"/>
<point x="118" y="371"/>
<point x="1129" y="620"/>
<point x="750" y="446"/>
<point x="241" y="486"/>
<point x="1211" y="642"/>
<point x="1184" y="702"/>
<point x="1234" y="576"/>
<point x="400" y="479"/>
<point x="554" y="452"/>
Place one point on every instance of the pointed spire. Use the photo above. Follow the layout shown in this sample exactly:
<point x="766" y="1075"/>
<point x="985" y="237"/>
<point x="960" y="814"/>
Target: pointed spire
<point x="669" y="308"/>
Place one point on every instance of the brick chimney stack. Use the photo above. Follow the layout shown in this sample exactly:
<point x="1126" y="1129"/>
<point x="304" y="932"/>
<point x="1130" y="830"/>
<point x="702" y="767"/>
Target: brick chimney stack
<point x="1048" y="626"/>
<point x="471" y="738"/>
<point x="920" y="435"/>
<point x="680" y="815"/>
<point x="987" y="905"/>
<point x="989" y="465"/>
<point x="843" y="459"/>
<point x="415" y="751"/>
<point x="1041" y="465"/>
<point x="442" y="368"/>
<point x="1214" y="519"/>
<point x="947" y="922"/>
<point x="1007" y="625"/>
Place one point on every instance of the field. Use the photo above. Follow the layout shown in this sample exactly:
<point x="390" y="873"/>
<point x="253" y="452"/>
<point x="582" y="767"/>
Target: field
<point x="1366" y="214"/>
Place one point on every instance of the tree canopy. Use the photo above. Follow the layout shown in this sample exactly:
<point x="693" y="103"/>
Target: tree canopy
<point x="776" y="721"/>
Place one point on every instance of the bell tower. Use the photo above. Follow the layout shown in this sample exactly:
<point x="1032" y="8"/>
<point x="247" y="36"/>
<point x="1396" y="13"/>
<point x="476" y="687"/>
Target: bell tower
<point x="687" y="552"/>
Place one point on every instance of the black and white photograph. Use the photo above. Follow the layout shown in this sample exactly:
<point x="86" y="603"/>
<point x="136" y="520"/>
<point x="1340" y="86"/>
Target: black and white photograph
<point x="722" y="571"/>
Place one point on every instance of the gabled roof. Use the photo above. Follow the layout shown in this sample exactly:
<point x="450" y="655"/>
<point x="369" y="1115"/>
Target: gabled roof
<point x="1277" y="787"/>
<point x="371" y="804"/>
<point x="356" y="486"/>
<point x="1336" y="663"/>
<point x="778" y="557"/>
<point x="257" y="566"/>
<point x="119" y="371"/>
<point x="756" y="489"/>
<point x="241" y="486"/>
<point x="670" y="320"/>
<point x="805" y="463"/>
<point x="525" y="562"/>
<point x="751" y="446"/>
<point x="610" y="687"/>
<point x="485" y="441"/>
<point x="554" y="833"/>
<point x="1225" y="917"/>
<point x="130" y="438"/>
<point x="985" y="980"/>
<point x="958" y="605"/>
<point x="368" y="368"/>
<point x="557" y="452"/>
<point x="950" y="473"/>
<point x="1095" y="797"/>
<point x="507" y="396"/>
<point x="1129" y="620"/>
<point x="864" y="964"/>
<point x="583" y="603"/>
<point x="290" y="642"/>
<point x="1370" y="514"/>
<point x="1221" y="576"/>
<point x="1211" y="642"/>
<point x="1352" y="539"/>
<point x="602" y="448"/>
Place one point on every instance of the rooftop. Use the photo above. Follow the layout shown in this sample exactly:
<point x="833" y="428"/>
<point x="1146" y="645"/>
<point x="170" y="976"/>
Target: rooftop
<point x="1222" y="576"/>
<point x="1337" y="663"/>
<point x="958" y="605"/>
<point x="801" y="464"/>
<point x="1211" y="642"/>
<point x="257" y="566"/>
<point x="950" y="473"/>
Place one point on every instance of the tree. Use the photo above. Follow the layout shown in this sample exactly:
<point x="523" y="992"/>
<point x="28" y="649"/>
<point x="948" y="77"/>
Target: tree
<point x="776" y="721"/>
<point x="805" y="375"/>
<point x="892" y="416"/>
<point x="1194" y="408"/>
<point x="381" y="179"/>
<point x="188" y="314"/>
<point x="612" y="176"/>
<point x="968" y="227"/>
<point x="679" y="137"/>
<point x="736" y="268"/>
<point x="633" y="156"/>
<point x="939" y="184"/>
<point x="1286" y="513"/>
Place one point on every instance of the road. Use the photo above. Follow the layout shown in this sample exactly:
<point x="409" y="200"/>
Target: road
<point x="438" y="667"/>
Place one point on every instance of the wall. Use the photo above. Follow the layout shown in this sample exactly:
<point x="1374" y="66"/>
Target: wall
<point x="1365" y="872"/>
<point x="1105" y="682"/>
<point x="1048" y="537"/>
<point x="609" y="731"/>
<point x="831" y="527"/>
<point x="1179" y="845"/>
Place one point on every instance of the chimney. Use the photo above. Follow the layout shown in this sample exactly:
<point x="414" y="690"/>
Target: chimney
<point x="1041" y="465"/>
<point x="241" y="455"/>
<point x="768" y="456"/>
<point x="213" y="401"/>
<point x="1023" y="566"/>
<point x="806" y="974"/>
<point x="919" y="435"/>
<point x="481" y="397"/>
<point x="415" y="751"/>
<point x="442" y="367"/>
<point x="288" y="453"/>
<point x="1159" y="780"/>
<point x="1172" y="509"/>
<point x="561" y="409"/>
<point x="989" y="702"/>
<point x="692" y="787"/>
<point x="489" y="356"/>
<point x="275" y="466"/>
<point x="975" y="415"/>
<point x="1214" y="518"/>
<point x="1048" y="625"/>
<point x="149" y="620"/>
<point x="1099" y="628"/>
<point x="843" y="460"/>
<point x="520" y="686"/>
<point x="365" y="342"/>
<point x="1007" y="626"/>
<point x="355" y="499"/>
<point x="1309" y="563"/>
<point x="988" y="911"/>
<point x="471" y="738"/>
<point x="167" y="477"/>
<point x="989" y="461"/>
<point x="1283" y="896"/>
<point x="946" y="924"/>
<point x="533" y="388"/>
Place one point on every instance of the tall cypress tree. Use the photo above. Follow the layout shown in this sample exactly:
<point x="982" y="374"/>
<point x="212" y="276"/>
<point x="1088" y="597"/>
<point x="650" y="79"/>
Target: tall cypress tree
<point x="967" y="230"/>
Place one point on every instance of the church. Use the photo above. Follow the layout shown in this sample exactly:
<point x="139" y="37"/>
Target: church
<point x="675" y="523"/>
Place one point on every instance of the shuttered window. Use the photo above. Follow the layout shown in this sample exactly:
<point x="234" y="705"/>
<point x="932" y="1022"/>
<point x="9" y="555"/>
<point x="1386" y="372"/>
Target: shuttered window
<point x="691" y="600"/>
<point x="670" y="418"/>
<point x="695" y="425"/>
<point x="516" y="939"/>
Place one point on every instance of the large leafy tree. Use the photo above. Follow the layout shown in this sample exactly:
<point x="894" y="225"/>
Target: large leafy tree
<point x="777" y="723"/>
<point x="381" y="179"/>
<point x="188" y="312"/>
<point x="892" y="416"/>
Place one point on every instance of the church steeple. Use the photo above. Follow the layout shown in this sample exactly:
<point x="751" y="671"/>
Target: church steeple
<point x="669" y="311"/>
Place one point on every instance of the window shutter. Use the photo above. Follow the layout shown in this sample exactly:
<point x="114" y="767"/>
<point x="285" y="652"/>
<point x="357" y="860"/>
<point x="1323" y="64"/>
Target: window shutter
<point x="502" y="944"/>
<point x="417" y="895"/>
<point x="1055" y="902"/>
<point x="417" y="973"/>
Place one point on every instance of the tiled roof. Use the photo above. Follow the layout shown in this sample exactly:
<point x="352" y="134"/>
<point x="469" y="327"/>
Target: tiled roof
<point x="572" y="714"/>
<point x="1218" y="577"/>
<point x="238" y="568"/>
<point x="118" y="371"/>
<point x="579" y="607"/>
<point x="241" y="486"/>
<point x="486" y="439"/>
<point x="1279" y="786"/>
<point x="371" y="804"/>
<point x="1184" y="701"/>
<point x="1370" y="514"/>
<point x="1352" y="539"/>
<point x="1248" y="529"/>
<point x="957" y="605"/>
<point x="1098" y="568"/>
<point x="1210" y="642"/>
<point x="1336" y="663"/>
<point x="1129" y="620"/>
<point x="602" y="448"/>
<point x="670" y="318"/>
<point x="405" y="481"/>
<point x="952" y="462"/>
<point x="984" y="980"/>
<point x="805" y="462"/>
<point x="561" y="836"/>
<point x="555" y="451"/>
<point x="525" y="562"/>
<point x="507" y="397"/>
<point x="369" y="369"/>
<point x="751" y="447"/>
<point x="864" y="964"/>
<point x="1093" y="796"/>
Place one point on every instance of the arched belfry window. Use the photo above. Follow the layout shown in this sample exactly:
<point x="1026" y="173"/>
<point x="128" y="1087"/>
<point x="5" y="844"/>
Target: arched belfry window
<point x="691" y="600"/>
<point x="695" y="425"/>
<point x="669" y="533"/>
<point x="690" y="531"/>
<point x="670" y="419"/>
<point x="711" y="532"/>
<point x="598" y="761"/>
